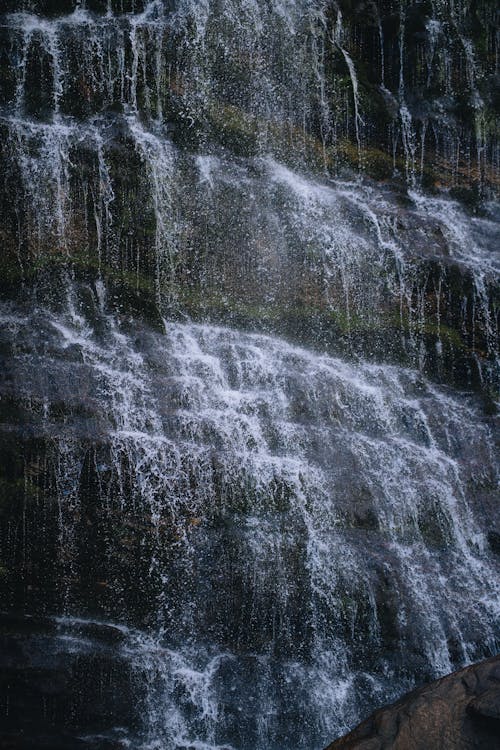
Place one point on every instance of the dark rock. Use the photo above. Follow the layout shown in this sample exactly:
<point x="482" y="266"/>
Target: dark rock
<point x="486" y="705"/>
<point x="459" y="711"/>
<point x="494" y="541"/>
<point x="64" y="683"/>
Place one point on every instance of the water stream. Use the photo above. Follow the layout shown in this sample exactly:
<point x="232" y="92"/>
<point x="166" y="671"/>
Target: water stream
<point x="249" y="379"/>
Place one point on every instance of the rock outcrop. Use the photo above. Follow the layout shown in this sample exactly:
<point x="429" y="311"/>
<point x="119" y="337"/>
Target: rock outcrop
<point x="459" y="711"/>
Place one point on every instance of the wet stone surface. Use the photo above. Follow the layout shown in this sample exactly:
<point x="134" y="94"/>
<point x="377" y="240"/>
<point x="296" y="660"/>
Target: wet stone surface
<point x="461" y="711"/>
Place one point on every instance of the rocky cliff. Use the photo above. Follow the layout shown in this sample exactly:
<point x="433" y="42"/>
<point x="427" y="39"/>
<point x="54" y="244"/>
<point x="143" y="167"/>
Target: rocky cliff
<point x="249" y="364"/>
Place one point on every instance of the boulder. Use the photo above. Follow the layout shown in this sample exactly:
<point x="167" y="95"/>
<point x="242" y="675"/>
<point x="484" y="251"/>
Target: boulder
<point x="459" y="711"/>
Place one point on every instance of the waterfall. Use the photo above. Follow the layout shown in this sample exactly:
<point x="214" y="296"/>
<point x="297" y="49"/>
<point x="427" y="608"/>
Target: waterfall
<point x="250" y="366"/>
<point x="281" y="465"/>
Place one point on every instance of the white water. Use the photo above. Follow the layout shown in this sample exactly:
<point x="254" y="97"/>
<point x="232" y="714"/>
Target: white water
<point x="343" y="230"/>
<point x="337" y="40"/>
<point x="312" y="532"/>
<point x="327" y="470"/>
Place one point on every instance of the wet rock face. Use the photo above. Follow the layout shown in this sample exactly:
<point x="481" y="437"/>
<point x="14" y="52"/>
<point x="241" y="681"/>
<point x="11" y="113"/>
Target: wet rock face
<point x="273" y="519"/>
<point x="408" y="86"/>
<point x="137" y="143"/>
<point x="190" y="192"/>
<point x="461" y="711"/>
<point x="64" y="684"/>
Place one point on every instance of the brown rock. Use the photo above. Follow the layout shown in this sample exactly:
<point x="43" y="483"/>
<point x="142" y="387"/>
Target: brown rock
<point x="458" y="712"/>
<point x="487" y="705"/>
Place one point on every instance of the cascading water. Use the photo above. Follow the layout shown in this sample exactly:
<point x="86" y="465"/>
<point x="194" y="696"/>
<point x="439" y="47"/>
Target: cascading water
<point x="249" y="366"/>
<point x="307" y="521"/>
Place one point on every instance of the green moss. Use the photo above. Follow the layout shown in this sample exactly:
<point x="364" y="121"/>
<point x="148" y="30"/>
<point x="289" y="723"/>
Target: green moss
<point x="131" y="292"/>
<point x="214" y="303"/>
<point x="433" y="525"/>
<point x="444" y="333"/>
<point x="234" y="128"/>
